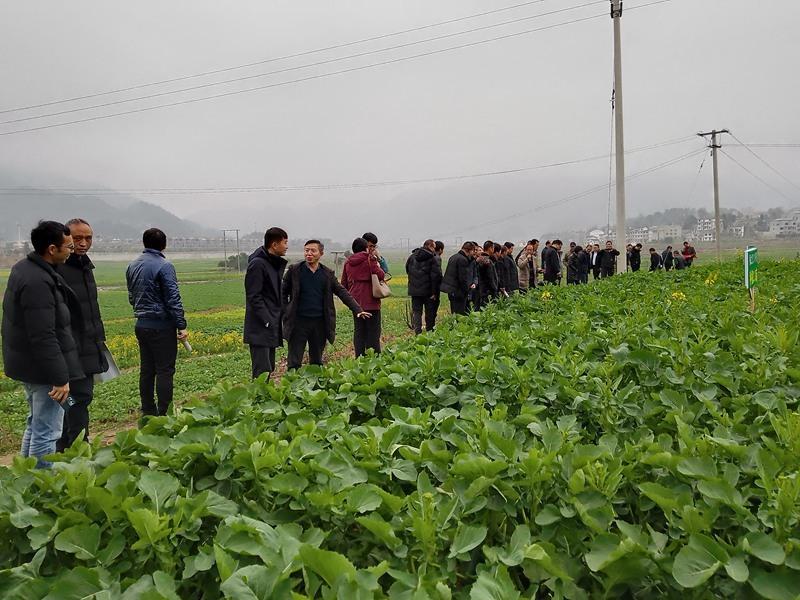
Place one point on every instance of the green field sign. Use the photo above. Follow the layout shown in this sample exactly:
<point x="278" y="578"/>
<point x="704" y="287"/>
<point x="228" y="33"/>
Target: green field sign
<point x="751" y="267"/>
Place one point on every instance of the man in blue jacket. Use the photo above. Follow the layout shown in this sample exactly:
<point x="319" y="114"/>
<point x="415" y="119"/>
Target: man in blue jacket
<point x="160" y="321"/>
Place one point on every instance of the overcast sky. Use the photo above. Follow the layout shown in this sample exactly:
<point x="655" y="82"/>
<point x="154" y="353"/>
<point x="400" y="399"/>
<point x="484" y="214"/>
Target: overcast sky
<point x="543" y="97"/>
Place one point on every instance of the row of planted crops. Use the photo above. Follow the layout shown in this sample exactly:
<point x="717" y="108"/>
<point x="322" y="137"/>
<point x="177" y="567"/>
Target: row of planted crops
<point x="635" y="438"/>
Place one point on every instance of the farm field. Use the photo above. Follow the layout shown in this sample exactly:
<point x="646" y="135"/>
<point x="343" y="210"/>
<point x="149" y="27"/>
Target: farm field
<point x="638" y="437"/>
<point x="214" y="302"/>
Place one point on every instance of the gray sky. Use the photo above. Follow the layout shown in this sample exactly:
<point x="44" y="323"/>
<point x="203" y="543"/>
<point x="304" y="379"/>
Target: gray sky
<point x="525" y="101"/>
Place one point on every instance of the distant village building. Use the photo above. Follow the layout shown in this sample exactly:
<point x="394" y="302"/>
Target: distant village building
<point x="736" y="231"/>
<point x="661" y="233"/>
<point x="786" y="226"/>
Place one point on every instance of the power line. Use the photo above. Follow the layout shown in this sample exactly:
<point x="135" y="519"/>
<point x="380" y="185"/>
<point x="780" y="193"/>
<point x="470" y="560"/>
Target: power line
<point x="766" y="145"/>
<point x="29" y="191"/>
<point x="322" y="75"/>
<point x="579" y="195"/>
<point x="271" y="60"/>
<point x="773" y="188"/>
<point x="299" y="67"/>
<point x="769" y="166"/>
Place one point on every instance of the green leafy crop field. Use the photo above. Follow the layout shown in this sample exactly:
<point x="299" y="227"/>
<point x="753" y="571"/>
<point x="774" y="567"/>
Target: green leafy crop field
<point x="636" y="438"/>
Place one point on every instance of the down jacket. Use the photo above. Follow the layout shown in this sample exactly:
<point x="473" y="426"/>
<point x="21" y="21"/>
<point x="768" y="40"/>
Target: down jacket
<point x="40" y="312"/>
<point x="458" y="276"/>
<point x="263" y="300"/>
<point x="153" y="291"/>
<point x="357" y="279"/>
<point x="424" y="273"/>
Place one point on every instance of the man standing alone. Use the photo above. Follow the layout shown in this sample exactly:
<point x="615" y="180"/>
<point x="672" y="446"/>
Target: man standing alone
<point x="263" y="308"/>
<point x="77" y="272"/>
<point x="424" y="280"/>
<point x="153" y="293"/>
<point x="309" y="316"/>
<point x="39" y="349"/>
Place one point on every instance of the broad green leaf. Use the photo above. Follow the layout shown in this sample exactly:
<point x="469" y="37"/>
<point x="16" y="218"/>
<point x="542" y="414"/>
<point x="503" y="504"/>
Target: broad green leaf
<point x="696" y="562"/>
<point x="764" y="547"/>
<point x="158" y="486"/>
<point x="607" y="549"/>
<point x="80" y="540"/>
<point x="219" y="506"/>
<point x="700" y="467"/>
<point x="781" y="584"/>
<point x="380" y="529"/>
<point x="363" y="498"/>
<point x="255" y="582"/>
<point x="149" y="526"/>
<point x="494" y="586"/>
<point x="165" y="585"/>
<point x="226" y="564"/>
<point x="328" y="565"/>
<point x="467" y="538"/>
<point x="78" y="584"/>
<point x="737" y="569"/>
<point x="548" y="515"/>
<point x="515" y="554"/>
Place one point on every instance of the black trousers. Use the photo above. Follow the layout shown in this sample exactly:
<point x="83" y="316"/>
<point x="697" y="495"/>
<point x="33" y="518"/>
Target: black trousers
<point x="458" y="304"/>
<point x="262" y="359"/>
<point x="430" y="306"/>
<point x="76" y="417"/>
<point x="596" y="272"/>
<point x="552" y="278"/>
<point x="606" y="272"/>
<point x="367" y="333"/>
<point x="158" y="349"/>
<point x="306" y="331"/>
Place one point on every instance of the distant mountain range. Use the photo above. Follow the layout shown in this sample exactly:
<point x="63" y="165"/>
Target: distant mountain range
<point x="122" y="217"/>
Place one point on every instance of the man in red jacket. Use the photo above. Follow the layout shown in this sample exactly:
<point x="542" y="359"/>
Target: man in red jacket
<point x="357" y="280"/>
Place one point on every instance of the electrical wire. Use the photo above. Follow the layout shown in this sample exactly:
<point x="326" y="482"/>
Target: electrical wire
<point x="769" y="166"/>
<point x="579" y="195"/>
<point x="773" y="188"/>
<point x="299" y="67"/>
<point x="323" y="75"/>
<point x="271" y="60"/>
<point x="31" y="191"/>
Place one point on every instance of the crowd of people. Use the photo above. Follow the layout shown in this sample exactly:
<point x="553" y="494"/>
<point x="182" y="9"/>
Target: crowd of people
<point x="53" y="336"/>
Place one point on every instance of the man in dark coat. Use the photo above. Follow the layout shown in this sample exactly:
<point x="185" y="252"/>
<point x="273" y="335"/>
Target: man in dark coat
<point x="424" y="281"/>
<point x="77" y="272"/>
<point x="583" y="265"/>
<point x="689" y="254"/>
<point x="655" y="260"/>
<point x="551" y="262"/>
<point x="678" y="261"/>
<point x="309" y="315"/>
<point x="608" y="260"/>
<point x="40" y="314"/>
<point x="636" y="257"/>
<point x="263" y="312"/>
<point x="667" y="259"/>
<point x="488" y="282"/>
<point x="458" y="279"/>
<point x="594" y="261"/>
<point x="160" y="321"/>
<point x="512" y="273"/>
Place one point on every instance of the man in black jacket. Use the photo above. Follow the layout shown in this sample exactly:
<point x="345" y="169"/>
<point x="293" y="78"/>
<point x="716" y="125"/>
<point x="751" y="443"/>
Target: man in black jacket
<point x="424" y="281"/>
<point x="458" y="279"/>
<point x="488" y="282"/>
<point x="309" y="315"/>
<point x="77" y="272"/>
<point x="263" y="314"/>
<point x="551" y="262"/>
<point x="594" y="261"/>
<point x="40" y="312"/>
<point x="655" y="260"/>
<point x="636" y="257"/>
<point x="667" y="259"/>
<point x="608" y="260"/>
<point x="512" y="273"/>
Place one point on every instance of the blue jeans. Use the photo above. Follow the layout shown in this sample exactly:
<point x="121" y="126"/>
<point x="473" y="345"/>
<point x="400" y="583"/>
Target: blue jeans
<point x="44" y="425"/>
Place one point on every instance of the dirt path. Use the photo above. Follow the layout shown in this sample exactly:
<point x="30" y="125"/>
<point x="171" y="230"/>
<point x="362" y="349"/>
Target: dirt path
<point x="108" y="431"/>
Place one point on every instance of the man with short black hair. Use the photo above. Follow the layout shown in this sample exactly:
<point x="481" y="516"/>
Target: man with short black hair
<point x="40" y="313"/>
<point x="655" y="260"/>
<point x="424" y="281"/>
<point x="551" y="262"/>
<point x="608" y="260"/>
<point x="678" y="261"/>
<point x="263" y="313"/>
<point x="512" y="273"/>
<point x="689" y="253"/>
<point x="488" y="282"/>
<point x="309" y="314"/>
<point x="372" y="248"/>
<point x="160" y="321"/>
<point x="635" y="258"/>
<point x="77" y="272"/>
<point x="458" y="279"/>
<point x="594" y="261"/>
<point x="667" y="258"/>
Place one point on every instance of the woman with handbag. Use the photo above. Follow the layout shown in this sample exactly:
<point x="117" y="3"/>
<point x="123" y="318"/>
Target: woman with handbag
<point x="363" y="278"/>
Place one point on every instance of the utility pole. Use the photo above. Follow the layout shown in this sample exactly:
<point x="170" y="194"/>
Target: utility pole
<point x="224" y="252"/>
<point x="225" y="232"/>
<point x="619" y="134"/>
<point x="717" y="221"/>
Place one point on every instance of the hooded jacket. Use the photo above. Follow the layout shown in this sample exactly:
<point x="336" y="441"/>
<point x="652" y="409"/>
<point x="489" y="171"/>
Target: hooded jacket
<point x="77" y="272"/>
<point x="263" y="300"/>
<point x="357" y="279"/>
<point x="40" y="315"/>
<point x="424" y="273"/>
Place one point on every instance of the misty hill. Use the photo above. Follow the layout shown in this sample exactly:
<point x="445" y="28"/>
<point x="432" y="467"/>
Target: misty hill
<point x="120" y="218"/>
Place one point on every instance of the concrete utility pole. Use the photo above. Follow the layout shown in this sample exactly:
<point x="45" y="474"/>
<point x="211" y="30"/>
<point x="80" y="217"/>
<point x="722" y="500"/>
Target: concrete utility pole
<point x="619" y="135"/>
<point x="225" y="233"/>
<point x="717" y="221"/>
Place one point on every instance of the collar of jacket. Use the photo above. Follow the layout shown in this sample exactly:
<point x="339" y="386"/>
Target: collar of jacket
<point x="153" y="251"/>
<point x="80" y="262"/>
<point x="274" y="260"/>
<point x="39" y="261"/>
